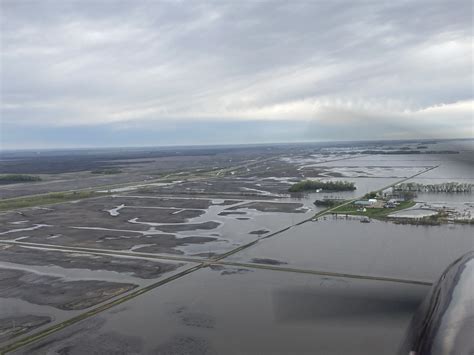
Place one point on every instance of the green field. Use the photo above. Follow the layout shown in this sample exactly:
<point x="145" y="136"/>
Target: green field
<point x="379" y="213"/>
<point x="46" y="199"/>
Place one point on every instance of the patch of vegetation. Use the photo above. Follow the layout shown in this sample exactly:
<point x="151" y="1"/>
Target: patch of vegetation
<point x="313" y="185"/>
<point x="378" y="213"/>
<point x="443" y="187"/>
<point x="372" y="194"/>
<point x="327" y="203"/>
<point x="399" y="152"/>
<point x="16" y="178"/>
<point x="107" y="171"/>
<point x="434" y="220"/>
<point x="46" y="199"/>
<point x="464" y="221"/>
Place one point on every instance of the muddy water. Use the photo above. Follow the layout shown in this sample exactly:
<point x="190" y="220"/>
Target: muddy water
<point x="450" y="166"/>
<point x="241" y="311"/>
<point x="376" y="248"/>
<point x="11" y="308"/>
<point x="234" y="232"/>
<point x="14" y="307"/>
<point x="77" y="274"/>
<point x="223" y="232"/>
<point x="235" y="229"/>
<point x="444" y="197"/>
<point x="227" y="231"/>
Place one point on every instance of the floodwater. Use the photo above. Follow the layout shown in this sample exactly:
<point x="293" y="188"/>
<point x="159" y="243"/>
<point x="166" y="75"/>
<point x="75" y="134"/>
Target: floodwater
<point x="224" y="229"/>
<point x="375" y="249"/>
<point x="136" y="187"/>
<point x="452" y="167"/>
<point x="241" y="311"/>
<point x="375" y="171"/>
<point x="234" y="230"/>
<point x="11" y="308"/>
<point x="234" y="310"/>
<point x="445" y="197"/>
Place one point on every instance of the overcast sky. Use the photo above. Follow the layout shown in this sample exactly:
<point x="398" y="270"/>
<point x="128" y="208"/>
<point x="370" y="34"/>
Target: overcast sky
<point x="124" y="73"/>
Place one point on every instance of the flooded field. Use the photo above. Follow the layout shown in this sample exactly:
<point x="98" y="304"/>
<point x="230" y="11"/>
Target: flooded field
<point x="375" y="249"/>
<point x="151" y="224"/>
<point x="217" y="243"/>
<point x="41" y="287"/>
<point x="210" y="312"/>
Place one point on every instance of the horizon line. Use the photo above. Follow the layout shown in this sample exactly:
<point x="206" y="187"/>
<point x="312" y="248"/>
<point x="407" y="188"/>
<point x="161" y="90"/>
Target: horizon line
<point x="216" y="145"/>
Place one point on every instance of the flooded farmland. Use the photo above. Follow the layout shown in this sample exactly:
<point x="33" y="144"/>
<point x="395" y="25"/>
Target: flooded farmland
<point x="185" y="266"/>
<point x="210" y="311"/>
<point x="377" y="249"/>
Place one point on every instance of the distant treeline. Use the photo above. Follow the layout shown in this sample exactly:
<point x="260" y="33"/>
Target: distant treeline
<point x="14" y="178"/>
<point x="313" y="185"/>
<point x="402" y="152"/>
<point x="443" y="187"/>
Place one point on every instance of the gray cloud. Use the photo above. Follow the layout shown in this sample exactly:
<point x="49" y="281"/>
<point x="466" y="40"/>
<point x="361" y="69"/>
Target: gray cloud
<point x="72" y="63"/>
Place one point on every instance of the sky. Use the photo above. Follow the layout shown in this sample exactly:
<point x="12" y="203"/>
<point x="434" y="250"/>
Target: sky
<point x="148" y="73"/>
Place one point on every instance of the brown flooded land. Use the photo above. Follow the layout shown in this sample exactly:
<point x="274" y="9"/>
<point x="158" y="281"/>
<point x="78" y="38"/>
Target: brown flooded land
<point x="210" y="247"/>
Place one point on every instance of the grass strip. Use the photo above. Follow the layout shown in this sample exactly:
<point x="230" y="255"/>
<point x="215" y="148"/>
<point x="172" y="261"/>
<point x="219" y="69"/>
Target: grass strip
<point x="376" y="213"/>
<point x="46" y="199"/>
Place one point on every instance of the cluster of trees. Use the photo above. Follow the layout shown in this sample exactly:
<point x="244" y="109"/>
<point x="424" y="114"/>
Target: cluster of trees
<point x="14" y="178"/>
<point x="371" y="194"/>
<point x="313" y="185"/>
<point x="443" y="187"/>
<point x="327" y="203"/>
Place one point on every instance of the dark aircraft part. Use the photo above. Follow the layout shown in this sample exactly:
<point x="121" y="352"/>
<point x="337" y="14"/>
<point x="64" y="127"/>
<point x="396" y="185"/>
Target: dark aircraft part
<point x="444" y="324"/>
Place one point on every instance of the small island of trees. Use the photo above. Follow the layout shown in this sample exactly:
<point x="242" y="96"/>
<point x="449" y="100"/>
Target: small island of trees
<point x="313" y="185"/>
<point x="328" y="202"/>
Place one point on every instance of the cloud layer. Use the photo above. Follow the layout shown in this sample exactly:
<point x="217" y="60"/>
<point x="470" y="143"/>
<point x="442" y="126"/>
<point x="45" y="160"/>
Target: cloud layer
<point x="396" y="68"/>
